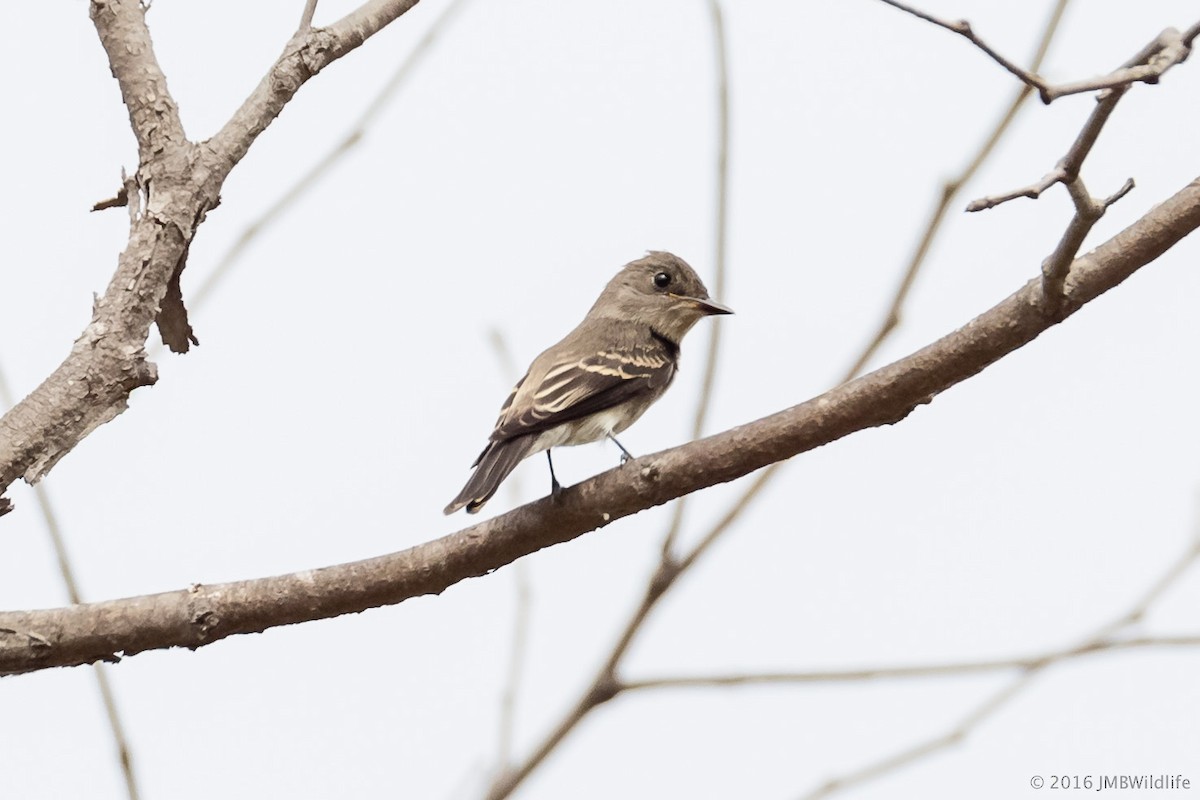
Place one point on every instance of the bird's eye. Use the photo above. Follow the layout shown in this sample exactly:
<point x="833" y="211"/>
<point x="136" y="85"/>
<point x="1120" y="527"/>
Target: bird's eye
<point x="662" y="280"/>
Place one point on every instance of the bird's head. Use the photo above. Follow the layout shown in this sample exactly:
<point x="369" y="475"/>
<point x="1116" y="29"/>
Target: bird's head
<point x="659" y="290"/>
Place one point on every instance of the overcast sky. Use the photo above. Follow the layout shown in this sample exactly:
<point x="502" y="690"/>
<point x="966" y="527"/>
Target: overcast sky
<point x="346" y="379"/>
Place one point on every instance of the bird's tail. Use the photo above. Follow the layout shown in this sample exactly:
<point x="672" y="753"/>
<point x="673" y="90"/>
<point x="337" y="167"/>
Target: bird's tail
<point x="494" y="464"/>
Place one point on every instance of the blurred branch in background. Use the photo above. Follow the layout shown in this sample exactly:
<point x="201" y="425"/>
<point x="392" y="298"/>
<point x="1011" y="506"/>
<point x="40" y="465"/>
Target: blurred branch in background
<point x="950" y="190"/>
<point x="720" y="248"/>
<point x="326" y="163"/>
<point x="63" y="556"/>
<point x="523" y="600"/>
<point x="1103" y="639"/>
<point x="606" y="684"/>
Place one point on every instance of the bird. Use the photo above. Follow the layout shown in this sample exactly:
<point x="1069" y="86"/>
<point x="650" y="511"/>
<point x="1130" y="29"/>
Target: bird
<point x="601" y="377"/>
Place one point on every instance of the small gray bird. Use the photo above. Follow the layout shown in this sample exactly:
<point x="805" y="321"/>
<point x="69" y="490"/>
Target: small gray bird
<point x="598" y="380"/>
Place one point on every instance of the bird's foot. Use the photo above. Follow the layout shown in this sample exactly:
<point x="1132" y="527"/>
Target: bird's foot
<point x="625" y="454"/>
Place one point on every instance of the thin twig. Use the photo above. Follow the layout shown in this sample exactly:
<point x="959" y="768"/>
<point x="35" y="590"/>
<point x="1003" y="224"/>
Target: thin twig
<point x="937" y="670"/>
<point x="1167" y="50"/>
<point x="65" y="569"/>
<point x="920" y="750"/>
<point x="963" y="28"/>
<point x="516" y="665"/>
<point x="1068" y="167"/>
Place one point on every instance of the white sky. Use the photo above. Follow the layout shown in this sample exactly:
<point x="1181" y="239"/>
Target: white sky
<point x="345" y="381"/>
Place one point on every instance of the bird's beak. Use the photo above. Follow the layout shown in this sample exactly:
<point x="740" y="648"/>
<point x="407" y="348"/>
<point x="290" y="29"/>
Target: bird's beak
<point x="704" y="305"/>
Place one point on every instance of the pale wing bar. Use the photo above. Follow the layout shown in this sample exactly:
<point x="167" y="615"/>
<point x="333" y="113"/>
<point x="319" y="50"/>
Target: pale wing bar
<point x="579" y="388"/>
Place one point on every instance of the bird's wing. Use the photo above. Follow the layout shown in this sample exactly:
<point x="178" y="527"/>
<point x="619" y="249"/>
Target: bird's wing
<point x="577" y="387"/>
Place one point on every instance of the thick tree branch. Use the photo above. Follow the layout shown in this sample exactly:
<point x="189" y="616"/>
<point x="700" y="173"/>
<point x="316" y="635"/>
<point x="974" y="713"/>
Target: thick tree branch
<point x="153" y="115"/>
<point x="203" y="614"/>
<point x="175" y="185"/>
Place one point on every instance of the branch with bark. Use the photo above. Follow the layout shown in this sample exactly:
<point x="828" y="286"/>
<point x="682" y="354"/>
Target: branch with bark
<point x="200" y="615"/>
<point x="175" y="185"/>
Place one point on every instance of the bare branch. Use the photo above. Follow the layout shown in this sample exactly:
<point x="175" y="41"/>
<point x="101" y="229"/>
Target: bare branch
<point x="305" y="56"/>
<point x="523" y="605"/>
<point x="1168" y="49"/>
<point x="912" y="671"/>
<point x="203" y="614"/>
<point x="670" y="568"/>
<point x="1101" y="639"/>
<point x="153" y="114"/>
<point x="59" y="544"/>
<point x="176" y="184"/>
<point x="916" y="752"/>
<point x="963" y="28"/>
<point x="721" y="213"/>
<point x="516" y="666"/>
<point x="324" y="165"/>
<point x="1088" y="212"/>
<point x="1033" y="191"/>
<point x="306" y="16"/>
<point x="1067" y="169"/>
<point x="721" y="222"/>
<point x="892" y="317"/>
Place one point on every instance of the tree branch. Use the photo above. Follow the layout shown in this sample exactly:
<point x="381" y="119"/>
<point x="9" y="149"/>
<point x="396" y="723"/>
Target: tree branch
<point x="1089" y="648"/>
<point x="201" y="615"/>
<point x="176" y="184"/>
<point x="1101" y="639"/>
<point x="153" y="115"/>
<point x="1168" y="49"/>
<point x="311" y="178"/>
<point x="309" y="52"/>
<point x="1067" y="169"/>
<point x="1088" y="212"/>
<point x="963" y="28"/>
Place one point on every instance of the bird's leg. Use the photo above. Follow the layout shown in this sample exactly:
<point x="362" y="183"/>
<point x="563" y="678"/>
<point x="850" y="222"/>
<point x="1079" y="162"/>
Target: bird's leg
<point x="555" y="486"/>
<point x="625" y="454"/>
